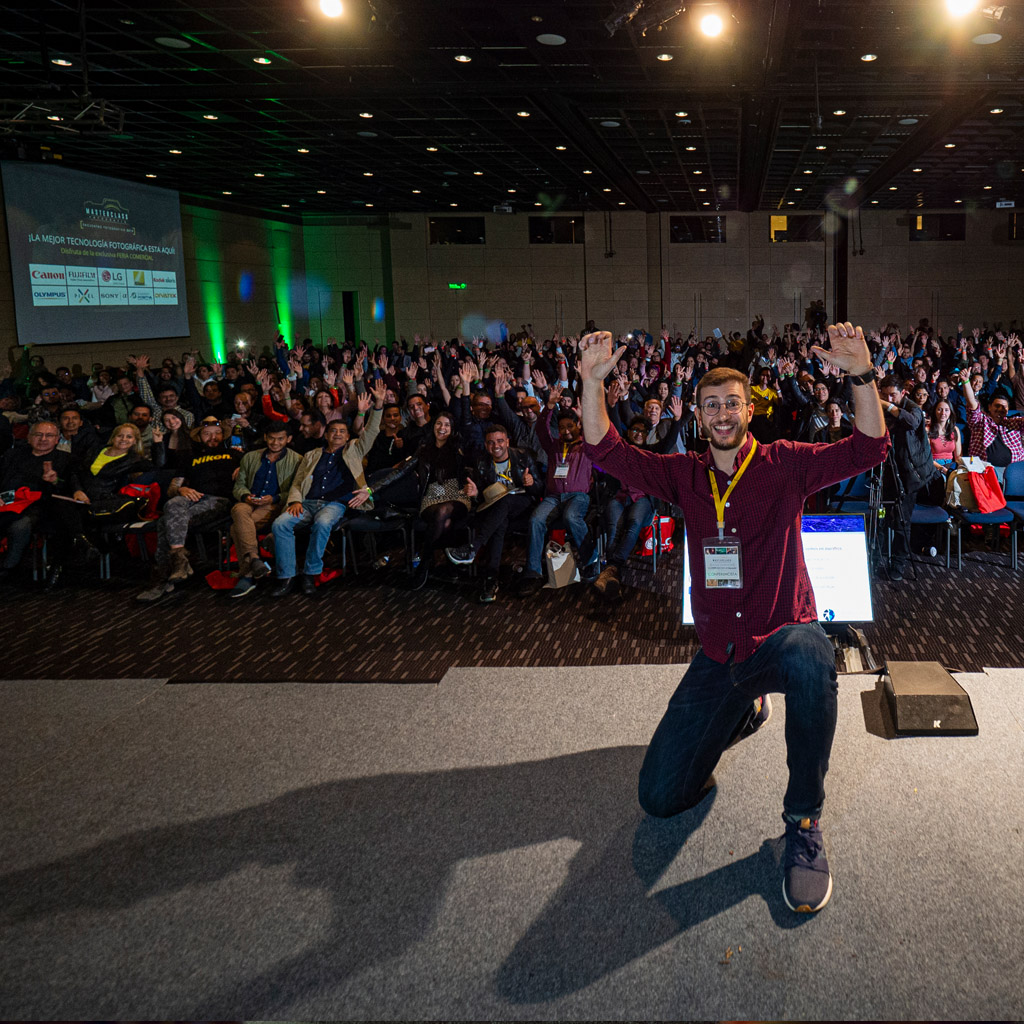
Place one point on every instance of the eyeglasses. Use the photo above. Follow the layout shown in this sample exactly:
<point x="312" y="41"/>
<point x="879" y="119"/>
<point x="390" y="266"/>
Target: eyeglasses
<point x="710" y="406"/>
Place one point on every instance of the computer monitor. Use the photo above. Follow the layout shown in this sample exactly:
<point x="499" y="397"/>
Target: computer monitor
<point x="836" y="556"/>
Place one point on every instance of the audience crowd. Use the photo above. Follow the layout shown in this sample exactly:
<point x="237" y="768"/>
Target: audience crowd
<point x="468" y="441"/>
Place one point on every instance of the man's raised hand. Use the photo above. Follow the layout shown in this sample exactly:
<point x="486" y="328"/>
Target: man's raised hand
<point x="597" y="359"/>
<point x="849" y="349"/>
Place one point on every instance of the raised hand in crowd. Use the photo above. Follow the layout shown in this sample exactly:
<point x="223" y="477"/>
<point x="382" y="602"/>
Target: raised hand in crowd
<point x="675" y="407"/>
<point x="554" y="395"/>
<point x="189" y="367"/>
<point x="330" y="378"/>
<point x="379" y="389"/>
<point x="363" y="403"/>
<point x="470" y="488"/>
<point x="539" y="380"/>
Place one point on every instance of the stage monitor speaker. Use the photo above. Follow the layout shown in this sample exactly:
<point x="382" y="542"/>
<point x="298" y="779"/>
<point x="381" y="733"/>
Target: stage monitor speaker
<point x="926" y="700"/>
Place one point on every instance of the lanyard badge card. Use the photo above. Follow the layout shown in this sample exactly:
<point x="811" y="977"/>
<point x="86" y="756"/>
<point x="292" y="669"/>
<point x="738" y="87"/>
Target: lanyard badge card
<point x="723" y="556"/>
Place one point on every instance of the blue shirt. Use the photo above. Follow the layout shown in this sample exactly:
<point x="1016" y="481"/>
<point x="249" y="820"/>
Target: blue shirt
<point x="265" y="481"/>
<point x="332" y="479"/>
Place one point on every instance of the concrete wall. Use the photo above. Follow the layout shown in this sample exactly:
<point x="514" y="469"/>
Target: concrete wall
<point x="218" y="248"/>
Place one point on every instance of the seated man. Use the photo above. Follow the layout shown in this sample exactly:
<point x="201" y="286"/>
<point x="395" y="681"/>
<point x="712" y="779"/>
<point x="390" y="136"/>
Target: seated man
<point x="263" y="477"/>
<point x="568" y="492"/>
<point x="41" y="468"/>
<point x="205" y="489"/>
<point x="514" y="469"/>
<point x="327" y="481"/>
<point x="77" y="435"/>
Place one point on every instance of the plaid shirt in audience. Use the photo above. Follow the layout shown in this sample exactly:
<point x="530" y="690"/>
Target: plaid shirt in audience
<point x="984" y="431"/>
<point x="763" y="512"/>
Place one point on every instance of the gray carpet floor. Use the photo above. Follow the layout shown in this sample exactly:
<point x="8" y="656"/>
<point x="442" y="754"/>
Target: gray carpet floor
<point x="474" y="850"/>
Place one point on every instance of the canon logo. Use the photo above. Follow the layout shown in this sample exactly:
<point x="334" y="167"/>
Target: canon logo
<point x="47" y="275"/>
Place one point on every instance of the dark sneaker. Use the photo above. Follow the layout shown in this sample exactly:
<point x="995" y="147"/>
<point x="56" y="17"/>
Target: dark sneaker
<point x="463" y="555"/>
<point x="244" y="586"/>
<point x="607" y="584"/>
<point x="258" y="569"/>
<point x="807" y="883"/>
<point x="489" y="591"/>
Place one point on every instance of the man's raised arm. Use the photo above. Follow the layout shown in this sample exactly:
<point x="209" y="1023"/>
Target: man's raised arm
<point x="596" y="361"/>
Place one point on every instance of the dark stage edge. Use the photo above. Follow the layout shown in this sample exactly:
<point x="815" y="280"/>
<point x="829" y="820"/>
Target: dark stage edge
<point x="369" y="628"/>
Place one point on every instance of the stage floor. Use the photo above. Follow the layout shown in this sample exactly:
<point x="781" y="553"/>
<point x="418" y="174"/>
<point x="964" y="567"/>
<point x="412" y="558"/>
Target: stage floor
<point x="474" y="850"/>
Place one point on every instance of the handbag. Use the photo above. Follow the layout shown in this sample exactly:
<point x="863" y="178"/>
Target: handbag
<point x="666" y="527"/>
<point x="20" y="500"/>
<point x="987" y="492"/>
<point x="560" y="565"/>
<point x="959" y="493"/>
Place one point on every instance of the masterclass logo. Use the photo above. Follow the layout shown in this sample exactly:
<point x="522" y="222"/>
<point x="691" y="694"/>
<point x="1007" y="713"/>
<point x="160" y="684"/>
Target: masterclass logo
<point x="111" y="214"/>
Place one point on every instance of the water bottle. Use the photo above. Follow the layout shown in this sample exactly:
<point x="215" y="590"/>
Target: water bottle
<point x="381" y="562"/>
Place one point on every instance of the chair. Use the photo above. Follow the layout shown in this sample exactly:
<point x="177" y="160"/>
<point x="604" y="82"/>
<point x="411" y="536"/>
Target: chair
<point x="851" y="495"/>
<point x="1002" y="516"/>
<point x="1013" y="488"/>
<point x="928" y="515"/>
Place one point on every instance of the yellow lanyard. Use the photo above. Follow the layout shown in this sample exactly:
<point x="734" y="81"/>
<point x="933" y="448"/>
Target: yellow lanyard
<point x="507" y="476"/>
<point x="720" y="501"/>
<point x="565" y="454"/>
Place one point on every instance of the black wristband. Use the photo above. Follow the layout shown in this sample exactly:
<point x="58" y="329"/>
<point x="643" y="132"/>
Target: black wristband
<point x="863" y="378"/>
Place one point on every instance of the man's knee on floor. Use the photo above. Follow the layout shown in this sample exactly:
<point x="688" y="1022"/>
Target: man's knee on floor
<point x="659" y="802"/>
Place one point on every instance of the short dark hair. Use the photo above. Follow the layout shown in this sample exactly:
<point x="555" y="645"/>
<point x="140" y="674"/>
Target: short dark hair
<point x="316" y="416"/>
<point x="141" y="405"/>
<point x="568" y="414"/>
<point x="497" y="428"/>
<point x="275" y="427"/>
<point x="890" y="381"/>
<point x="393" y="405"/>
<point x="167" y="387"/>
<point x="637" y="421"/>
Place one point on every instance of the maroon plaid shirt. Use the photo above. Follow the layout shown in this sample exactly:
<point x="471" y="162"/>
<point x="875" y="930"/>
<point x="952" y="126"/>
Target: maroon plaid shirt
<point x="763" y="512"/>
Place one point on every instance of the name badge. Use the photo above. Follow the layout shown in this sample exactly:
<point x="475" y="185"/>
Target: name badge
<point x="723" y="563"/>
<point x="561" y="471"/>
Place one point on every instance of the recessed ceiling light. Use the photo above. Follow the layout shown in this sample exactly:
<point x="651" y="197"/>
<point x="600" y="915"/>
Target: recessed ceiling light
<point x="869" y="56"/>
<point x="682" y="113"/>
<point x="332" y="8"/>
<point x="367" y="135"/>
<point x="561" y="149"/>
<point x="950" y="145"/>
<point x="321" y="191"/>
<point x="790" y="203"/>
<point x="892" y="188"/>
<point x="286" y="206"/>
<point x="707" y="204"/>
<point x="908" y="120"/>
<point x="369" y="204"/>
<point x="258" y="174"/>
<point x="996" y="110"/>
<point x="957" y="200"/>
<point x="536" y="17"/>
<point x="839" y="113"/>
<point x="415" y="191"/>
<point x="522" y="113"/>
<point x="209" y="117"/>
<point x="173" y="43"/>
<point x="798" y="189"/>
<point x="261" y="60"/>
<point x="453" y="204"/>
<point x="702" y="190"/>
<point x="478" y="173"/>
<point x="537" y="204"/>
<point x="550" y="39"/>
<point x="463" y="58"/>
<point x="641" y="171"/>
<point x="874" y="202"/>
<point x="988" y="188"/>
<point x="365" y="113"/>
<point x="176" y="152"/>
<point x="664" y="56"/>
<point x="302" y="151"/>
<point x="56" y="117"/>
<point x="367" y="174"/>
<point x="126" y="21"/>
<point x="511" y="190"/>
<point x="609" y="124"/>
<point x="60" y="62"/>
<point x="987" y="38"/>
<point x="918" y="170"/>
<point x="431" y="149"/>
<point x="150" y="175"/>
<point x="622" y="204"/>
<point x="698" y="172"/>
<point x="606" y="190"/>
<point x="588" y="172"/>
<point x="808" y="172"/>
<point x="225" y="193"/>
<point x="691" y="149"/>
<point x="821" y="147"/>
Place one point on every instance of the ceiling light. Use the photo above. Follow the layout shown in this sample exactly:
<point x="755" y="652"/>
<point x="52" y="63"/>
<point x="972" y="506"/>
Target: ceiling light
<point x="537" y="204"/>
<point x="960" y="8"/>
<point x="365" y="113"/>
<point x="609" y="124"/>
<point x="691" y="149"/>
<point x="522" y="113"/>
<point x="790" y="203"/>
<point x="453" y="204"/>
<point x="60" y="62"/>
<point x="56" y="117"/>
<point x="367" y="135"/>
<point x="874" y="202"/>
<point x="918" y="170"/>
<point x="321" y="191"/>
<point x="698" y="172"/>
<point x="550" y="39"/>
<point x="367" y="174"/>
<point x="261" y="60"/>
<point x="561" y="149"/>
<point x="702" y="190"/>
<point x="622" y="204"/>
<point x="821" y="147"/>
<point x="996" y="110"/>
<point x="588" y="172"/>
<point x="988" y="188"/>
<point x="707" y="204"/>
<point x="839" y="113"/>
<point x="332" y="8"/>
<point x="892" y="188"/>
<point x="664" y="56"/>
<point x="209" y="117"/>
<point x="511" y="190"/>
<point x="176" y="152"/>
<point x="798" y="189"/>
<point x="415" y="191"/>
<point x="173" y="43"/>
<point x="808" y="172"/>
<point x="478" y="173"/>
<point x="369" y="204"/>
<point x="682" y="113"/>
<point x="150" y="175"/>
<point x="957" y="200"/>
<point x="286" y="206"/>
<point x="987" y="38"/>
<point x="869" y="57"/>
<point x="258" y="174"/>
<point x="431" y="149"/>
<point x="712" y="25"/>
<point x="463" y="58"/>
<point x="950" y="145"/>
<point x="126" y="21"/>
<point x="225" y="193"/>
<point x="302" y="151"/>
<point x="606" y="190"/>
<point x="908" y="120"/>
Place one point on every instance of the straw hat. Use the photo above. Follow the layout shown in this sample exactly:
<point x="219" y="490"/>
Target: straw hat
<point x="493" y="493"/>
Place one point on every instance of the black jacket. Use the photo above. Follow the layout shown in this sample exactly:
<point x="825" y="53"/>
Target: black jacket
<point x="911" y="448"/>
<point x="520" y="461"/>
<point x="112" y="476"/>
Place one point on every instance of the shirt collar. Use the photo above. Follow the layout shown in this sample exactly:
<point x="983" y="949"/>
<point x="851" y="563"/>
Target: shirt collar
<point x="707" y="459"/>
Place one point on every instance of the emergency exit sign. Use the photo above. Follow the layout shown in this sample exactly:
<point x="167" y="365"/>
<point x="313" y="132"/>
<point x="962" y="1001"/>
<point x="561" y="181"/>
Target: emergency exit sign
<point x="457" y="286"/>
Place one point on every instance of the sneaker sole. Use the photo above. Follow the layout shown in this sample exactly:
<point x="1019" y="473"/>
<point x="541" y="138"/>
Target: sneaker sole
<point x="805" y="908"/>
<point x="458" y="561"/>
<point x="236" y="592"/>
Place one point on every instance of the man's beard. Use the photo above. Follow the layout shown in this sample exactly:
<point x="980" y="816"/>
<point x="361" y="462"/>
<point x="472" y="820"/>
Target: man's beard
<point x="739" y="432"/>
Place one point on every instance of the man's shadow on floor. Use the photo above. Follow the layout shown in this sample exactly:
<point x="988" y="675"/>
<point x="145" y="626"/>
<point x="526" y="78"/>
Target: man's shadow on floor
<point x="381" y="850"/>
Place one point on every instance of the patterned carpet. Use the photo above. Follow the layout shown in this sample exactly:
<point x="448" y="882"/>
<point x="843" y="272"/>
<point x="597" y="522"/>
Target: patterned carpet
<point x="370" y="628"/>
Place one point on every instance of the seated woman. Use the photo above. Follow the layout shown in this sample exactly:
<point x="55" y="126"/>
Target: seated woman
<point x="944" y="436"/>
<point x="105" y="469"/>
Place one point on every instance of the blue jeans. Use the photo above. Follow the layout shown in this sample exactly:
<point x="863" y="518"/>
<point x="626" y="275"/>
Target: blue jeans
<point x="712" y="702"/>
<point x="629" y="517"/>
<point x="572" y="507"/>
<point x="323" y="515"/>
